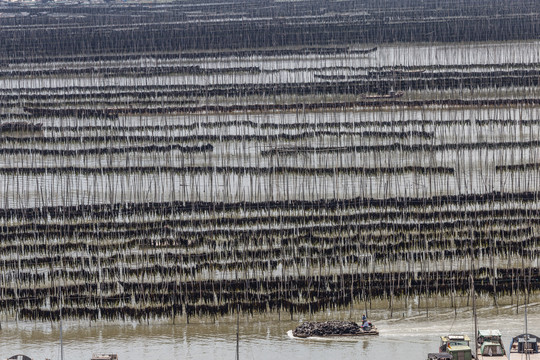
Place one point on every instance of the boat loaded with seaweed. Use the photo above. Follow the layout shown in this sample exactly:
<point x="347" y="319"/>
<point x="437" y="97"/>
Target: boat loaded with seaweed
<point x="332" y="329"/>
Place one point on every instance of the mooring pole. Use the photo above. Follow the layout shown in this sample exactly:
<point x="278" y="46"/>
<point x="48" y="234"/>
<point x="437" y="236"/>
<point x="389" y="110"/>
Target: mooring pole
<point x="61" y="340"/>
<point x="238" y="332"/>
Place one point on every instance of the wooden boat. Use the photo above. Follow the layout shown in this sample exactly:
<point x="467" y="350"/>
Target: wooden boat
<point x="332" y="329"/>
<point x="490" y="345"/>
<point x="390" y="95"/>
<point x="19" y="357"/>
<point x="364" y="51"/>
<point x="105" y="357"/>
<point x="458" y="346"/>
<point x="524" y="346"/>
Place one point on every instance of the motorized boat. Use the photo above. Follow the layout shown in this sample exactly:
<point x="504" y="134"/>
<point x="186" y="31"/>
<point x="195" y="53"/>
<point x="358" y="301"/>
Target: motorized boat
<point x="328" y="329"/>
<point x="458" y="346"/>
<point x="490" y="345"/>
<point x="390" y="95"/>
<point x="19" y="357"/>
<point x="104" y="357"/>
<point x="524" y="347"/>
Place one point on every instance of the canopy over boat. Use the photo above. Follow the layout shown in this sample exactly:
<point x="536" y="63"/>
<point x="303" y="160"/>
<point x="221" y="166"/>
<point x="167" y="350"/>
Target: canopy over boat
<point x="19" y="357"/>
<point x="490" y="344"/>
<point x="455" y="340"/>
<point x="489" y="333"/>
<point x="457" y="346"/>
<point x="525" y="343"/>
<point x="491" y="349"/>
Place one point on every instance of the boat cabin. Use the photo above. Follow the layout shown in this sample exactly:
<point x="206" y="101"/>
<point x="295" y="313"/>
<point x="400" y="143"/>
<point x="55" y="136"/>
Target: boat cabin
<point x="489" y="335"/>
<point x="456" y="345"/>
<point x="454" y="340"/>
<point x="19" y="357"/>
<point x="524" y="344"/>
<point x="490" y="343"/>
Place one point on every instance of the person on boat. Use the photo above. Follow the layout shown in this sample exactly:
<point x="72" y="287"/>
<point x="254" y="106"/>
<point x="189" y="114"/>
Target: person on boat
<point x="366" y="326"/>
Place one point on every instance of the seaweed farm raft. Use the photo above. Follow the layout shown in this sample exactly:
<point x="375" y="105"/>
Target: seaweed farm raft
<point x="180" y="161"/>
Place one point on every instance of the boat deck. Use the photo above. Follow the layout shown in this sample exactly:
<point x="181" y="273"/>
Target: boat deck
<point x="492" y="357"/>
<point x="522" y="356"/>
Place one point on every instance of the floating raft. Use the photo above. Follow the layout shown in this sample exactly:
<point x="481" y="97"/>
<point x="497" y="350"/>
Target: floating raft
<point x="332" y="328"/>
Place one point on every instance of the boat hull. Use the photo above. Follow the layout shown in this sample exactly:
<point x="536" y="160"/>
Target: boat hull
<point x="494" y="357"/>
<point x="373" y="332"/>
<point x="521" y="356"/>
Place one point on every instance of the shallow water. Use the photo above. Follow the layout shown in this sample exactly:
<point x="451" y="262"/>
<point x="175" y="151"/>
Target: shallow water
<point x="409" y="336"/>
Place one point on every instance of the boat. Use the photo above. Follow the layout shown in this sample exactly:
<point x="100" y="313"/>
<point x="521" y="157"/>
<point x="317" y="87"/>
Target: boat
<point x="363" y="51"/>
<point x="524" y="346"/>
<point x="490" y="345"/>
<point x="332" y="329"/>
<point x="390" y="95"/>
<point x="105" y="357"/>
<point x="19" y="357"/>
<point x="458" y="346"/>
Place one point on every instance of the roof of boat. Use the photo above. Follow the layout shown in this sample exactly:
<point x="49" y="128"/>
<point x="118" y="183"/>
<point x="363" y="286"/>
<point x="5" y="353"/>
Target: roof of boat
<point x="521" y="338"/>
<point x="455" y="338"/>
<point x="19" y="357"/>
<point x="487" y="333"/>
<point x="458" y="348"/>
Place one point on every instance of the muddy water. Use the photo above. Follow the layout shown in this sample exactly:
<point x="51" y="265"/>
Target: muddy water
<point x="408" y="335"/>
<point x="405" y="336"/>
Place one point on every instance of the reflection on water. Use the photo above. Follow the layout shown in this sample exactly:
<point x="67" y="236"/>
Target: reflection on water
<point x="409" y="337"/>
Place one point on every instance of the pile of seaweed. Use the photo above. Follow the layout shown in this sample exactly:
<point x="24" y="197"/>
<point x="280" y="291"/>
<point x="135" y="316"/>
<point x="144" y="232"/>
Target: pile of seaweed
<point x="327" y="328"/>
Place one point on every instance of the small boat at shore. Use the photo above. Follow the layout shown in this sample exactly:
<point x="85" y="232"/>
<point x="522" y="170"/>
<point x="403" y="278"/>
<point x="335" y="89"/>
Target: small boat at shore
<point x="524" y="346"/>
<point x="390" y="95"/>
<point x="456" y="345"/>
<point x="490" y="345"/>
<point x="104" y="357"/>
<point x="332" y="329"/>
<point x="19" y="357"/>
